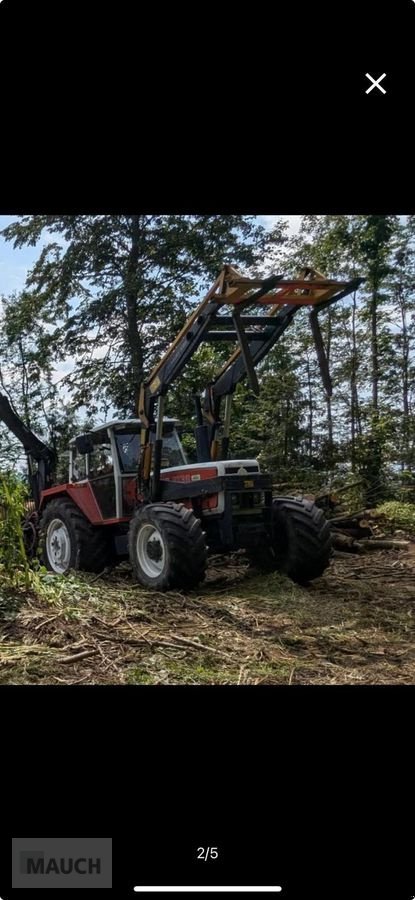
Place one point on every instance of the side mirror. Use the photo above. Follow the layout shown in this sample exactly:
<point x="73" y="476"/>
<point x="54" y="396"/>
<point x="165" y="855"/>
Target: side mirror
<point x="84" y="443"/>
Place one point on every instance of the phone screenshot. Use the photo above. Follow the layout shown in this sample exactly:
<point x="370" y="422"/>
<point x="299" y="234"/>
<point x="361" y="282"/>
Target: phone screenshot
<point x="207" y="451"/>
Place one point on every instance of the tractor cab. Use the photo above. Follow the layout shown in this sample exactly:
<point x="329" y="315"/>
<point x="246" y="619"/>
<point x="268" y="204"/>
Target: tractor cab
<point x="108" y="457"/>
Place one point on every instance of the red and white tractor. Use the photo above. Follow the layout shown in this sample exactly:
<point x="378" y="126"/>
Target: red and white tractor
<point x="132" y="494"/>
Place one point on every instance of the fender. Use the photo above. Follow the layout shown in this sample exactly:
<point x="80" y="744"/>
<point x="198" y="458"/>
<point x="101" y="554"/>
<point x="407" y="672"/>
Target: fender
<point x="82" y="495"/>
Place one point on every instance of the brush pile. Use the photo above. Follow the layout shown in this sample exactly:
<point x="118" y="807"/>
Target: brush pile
<point x="390" y="526"/>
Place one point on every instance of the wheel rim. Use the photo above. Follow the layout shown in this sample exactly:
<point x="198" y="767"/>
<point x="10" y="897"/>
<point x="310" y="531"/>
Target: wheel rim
<point x="58" y="546"/>
<point x="151" y="554"/>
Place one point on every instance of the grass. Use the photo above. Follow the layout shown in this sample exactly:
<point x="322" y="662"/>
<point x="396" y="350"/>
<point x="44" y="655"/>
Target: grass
<point x="353" y="626"/>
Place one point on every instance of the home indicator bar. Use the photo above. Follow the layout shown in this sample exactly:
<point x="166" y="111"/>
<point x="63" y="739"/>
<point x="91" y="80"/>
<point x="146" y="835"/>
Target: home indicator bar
<point x="207" y="889"/>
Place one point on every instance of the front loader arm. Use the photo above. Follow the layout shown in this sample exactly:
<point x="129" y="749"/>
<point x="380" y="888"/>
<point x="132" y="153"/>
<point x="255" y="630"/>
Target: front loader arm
<point x="222" y="308"/>
<point x="193" y="333"/>
<point x="273" y="326"/>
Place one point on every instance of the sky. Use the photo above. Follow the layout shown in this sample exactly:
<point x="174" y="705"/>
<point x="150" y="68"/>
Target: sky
<point x="14" y="264"/>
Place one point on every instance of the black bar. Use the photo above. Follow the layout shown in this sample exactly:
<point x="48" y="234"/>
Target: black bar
<point x="225" y="448"/>
<point x="232" y="335"/>
<point x="246" y="354"/>
<point x="202" y="443"/>
<point x="198" y="408"/>
<point x="155" y="484"/>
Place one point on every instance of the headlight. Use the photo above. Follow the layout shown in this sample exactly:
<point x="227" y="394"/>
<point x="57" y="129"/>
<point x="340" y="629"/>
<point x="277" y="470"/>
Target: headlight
<point x="258" y="499"/>
<point x="235" y="500"/>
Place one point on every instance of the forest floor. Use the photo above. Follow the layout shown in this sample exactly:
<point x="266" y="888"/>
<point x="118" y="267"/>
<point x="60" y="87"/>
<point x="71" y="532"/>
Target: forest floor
<point x="353" y="626"/>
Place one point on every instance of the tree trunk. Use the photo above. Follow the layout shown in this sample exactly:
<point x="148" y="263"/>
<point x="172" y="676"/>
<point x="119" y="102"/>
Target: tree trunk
<point x="131" y="284"/>
<point x="310" y="411"/>
<point x="286" y="426"/>
<point x="354" y="399"/>
<point x="328" y="396"/>
<point x="25" y="386"/>
<point x="374" y="349"/>
<point x="405" y="384"/>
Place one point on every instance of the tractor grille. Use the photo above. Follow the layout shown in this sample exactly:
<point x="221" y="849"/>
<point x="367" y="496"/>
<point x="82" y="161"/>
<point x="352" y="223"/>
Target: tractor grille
<point x="245" y="502"/>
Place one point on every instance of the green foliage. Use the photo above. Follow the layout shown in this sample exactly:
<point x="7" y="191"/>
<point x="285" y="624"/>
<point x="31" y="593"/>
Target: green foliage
<point x="13" y="560"/>
<point x="400" y="515"/>
<point x="269" y="426"/>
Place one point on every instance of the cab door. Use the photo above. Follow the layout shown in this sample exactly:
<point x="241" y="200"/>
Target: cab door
<point x="101" y="477"/>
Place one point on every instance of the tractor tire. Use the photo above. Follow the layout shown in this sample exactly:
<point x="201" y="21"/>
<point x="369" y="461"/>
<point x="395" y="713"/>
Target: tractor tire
<point x="301" y="548"/>
<point x="167" y="547"/>
<point x="69" y="541"/>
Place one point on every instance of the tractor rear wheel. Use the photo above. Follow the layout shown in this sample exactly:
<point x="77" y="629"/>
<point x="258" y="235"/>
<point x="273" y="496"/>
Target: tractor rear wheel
<point x="69" y="541"/>
<point x="167" y="547"/>
<point x="301" y="546"/>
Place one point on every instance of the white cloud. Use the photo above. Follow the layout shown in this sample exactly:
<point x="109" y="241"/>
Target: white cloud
<point x="270" y="221"/>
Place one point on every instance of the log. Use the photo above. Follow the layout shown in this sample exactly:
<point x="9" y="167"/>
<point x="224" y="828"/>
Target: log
<point x="374" y="544"/>
<point x="344" y="542"/>
<point x="358" y="532"/>
<point x="76" y="656"/>
<point x="347" y="543"/>
<point x="347" y="517"/>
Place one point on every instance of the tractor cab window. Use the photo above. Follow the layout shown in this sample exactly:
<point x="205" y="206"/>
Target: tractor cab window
<point x="100" y="461"/>
<point x="79" y="466"/>
<point x="172" y="453"/>
<point x="129" y="450"/>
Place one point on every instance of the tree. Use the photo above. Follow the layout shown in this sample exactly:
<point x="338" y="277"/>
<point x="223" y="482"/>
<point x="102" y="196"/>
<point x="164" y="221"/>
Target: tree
<point x="112" y="290"/>
<point x="25" y="381"/>
<point x="400" y="364"/>
<point x="374" y="236"/>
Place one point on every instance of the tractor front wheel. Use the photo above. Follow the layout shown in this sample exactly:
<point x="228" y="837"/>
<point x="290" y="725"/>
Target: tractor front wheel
<point x="167" y="547"/>
<point x="69" y="541"/>
<point x="301" y="544"/>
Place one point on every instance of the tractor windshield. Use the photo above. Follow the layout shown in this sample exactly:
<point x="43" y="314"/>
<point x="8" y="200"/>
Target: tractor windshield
<point x="128" y="446"/>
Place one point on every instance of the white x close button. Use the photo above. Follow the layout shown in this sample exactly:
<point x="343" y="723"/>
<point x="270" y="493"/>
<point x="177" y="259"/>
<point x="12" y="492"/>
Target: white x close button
<point x="375" y="83"/>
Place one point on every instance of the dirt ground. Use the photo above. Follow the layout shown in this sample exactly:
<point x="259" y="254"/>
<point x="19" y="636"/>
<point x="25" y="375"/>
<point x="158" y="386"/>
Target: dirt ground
<point x="353" y="626"/>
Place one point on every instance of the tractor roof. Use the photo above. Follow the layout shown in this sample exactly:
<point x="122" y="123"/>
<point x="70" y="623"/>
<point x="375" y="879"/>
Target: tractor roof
<point x="125" y="424"/>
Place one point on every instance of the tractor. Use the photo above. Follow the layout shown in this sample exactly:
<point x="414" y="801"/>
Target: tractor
<point x="131" y="493"/>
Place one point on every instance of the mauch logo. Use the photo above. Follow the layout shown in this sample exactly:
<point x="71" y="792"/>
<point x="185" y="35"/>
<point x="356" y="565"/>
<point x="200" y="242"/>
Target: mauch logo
<point x="62" y="863"/>
<point x="33" y="862"/>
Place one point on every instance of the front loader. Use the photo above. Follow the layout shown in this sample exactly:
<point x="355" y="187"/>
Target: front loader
<point x="130" y="491"/>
